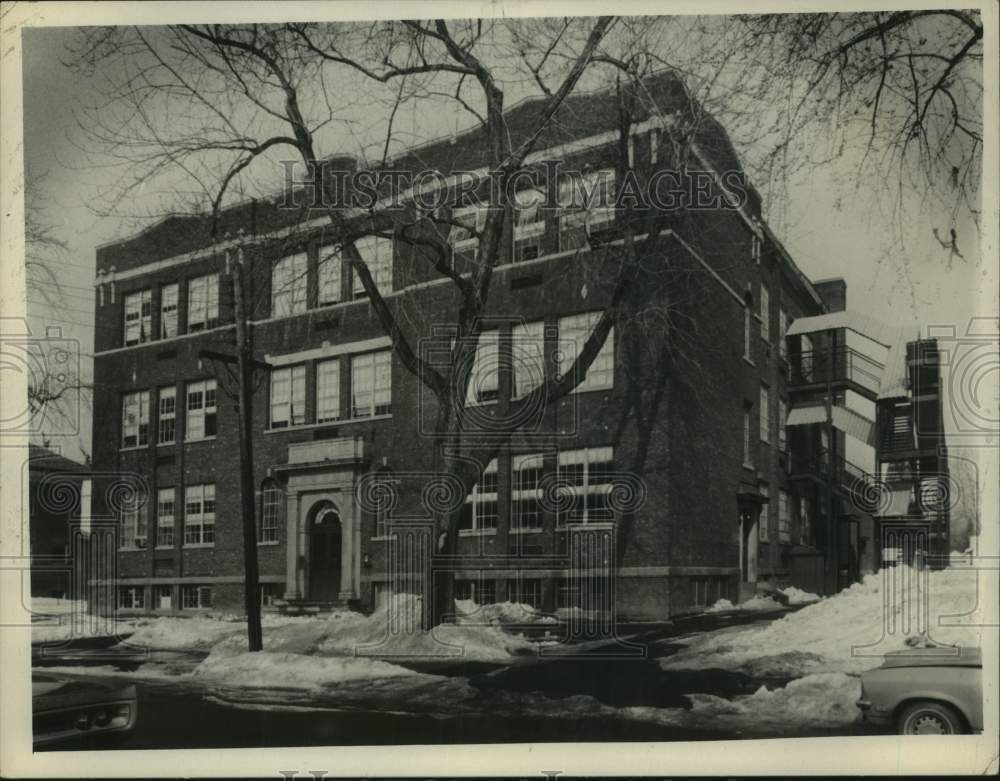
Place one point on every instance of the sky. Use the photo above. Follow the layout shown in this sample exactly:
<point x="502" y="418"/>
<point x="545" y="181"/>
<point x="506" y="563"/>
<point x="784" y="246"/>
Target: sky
<point x="832" y="220"/>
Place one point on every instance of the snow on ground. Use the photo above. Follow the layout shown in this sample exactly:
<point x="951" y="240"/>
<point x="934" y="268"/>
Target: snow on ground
<point x="797" y="596"/>
<point x="757" y="604"/>
<point x="821" y="636"/>
<point x="500" y="613"/>
<point x="296" y="671"/>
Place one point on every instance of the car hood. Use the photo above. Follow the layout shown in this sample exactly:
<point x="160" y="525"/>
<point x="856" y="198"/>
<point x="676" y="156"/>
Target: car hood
<point x="935" y="656"/>
<point x="51" y="693"/>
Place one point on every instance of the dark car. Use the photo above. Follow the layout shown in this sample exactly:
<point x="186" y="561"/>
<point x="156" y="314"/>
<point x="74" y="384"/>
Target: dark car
<point x="90" y="714"/>
<point x="926" y="691"/>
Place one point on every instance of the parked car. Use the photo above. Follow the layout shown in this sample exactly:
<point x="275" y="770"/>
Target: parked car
<point x="926" y="691"/>
<point x="90" y="714"/>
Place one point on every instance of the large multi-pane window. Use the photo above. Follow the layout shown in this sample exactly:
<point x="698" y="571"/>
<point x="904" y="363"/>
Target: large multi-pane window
<point x="200" y="421"/>
<point x="271" y="499"/>
<point x="131" y="597"/>
<point x="765" y="414"/>
<point x="467" y="223"/>
<point x="199" y="514"/>
<point x="196" y="597"/>
<point x="573" y="334"/>
<point x="168" y="310"/>
<point x="527" y="347"/>
<point x="138" y="317"/>
<point x="526" y="496"/>
<point x="376" y="252"/>
<point x="135" y="419"/>
<point x="328" y="390"/>
<point x="764" y="525"/>
<point x="784" y="518"/>
<point x="371" y="384"/>
<point x="585" y="478"/>
<point x="525" y="591"/>
<point x="164" y="517"/>
<point x="134" y="518"/>
<point x="203" y="302"/>
<point x="288" y="285"/>
<point x="587" y="204"/>
<point x="288" y="396"/>
<point x="765" y="313"/>
<point x="328" y="272"/>
<point x="167" y="419"/>
<point x="484" y="382"/>
<point x="748" y="440"/>
<point x="480" y="511"/>
<point x="529" y="225"/>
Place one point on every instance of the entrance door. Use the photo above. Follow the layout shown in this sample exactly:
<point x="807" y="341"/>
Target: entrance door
<point x="749" y="518"/>
<point x="324" y="554"/>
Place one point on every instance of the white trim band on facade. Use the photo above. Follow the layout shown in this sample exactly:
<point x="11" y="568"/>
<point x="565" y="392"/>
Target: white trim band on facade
<point x="327" y="350"/>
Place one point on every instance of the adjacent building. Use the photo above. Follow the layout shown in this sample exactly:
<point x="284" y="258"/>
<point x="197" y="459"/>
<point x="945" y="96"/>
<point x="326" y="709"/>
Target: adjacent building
<point x="728" y="394"/>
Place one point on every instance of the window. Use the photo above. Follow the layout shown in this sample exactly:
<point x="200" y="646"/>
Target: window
<point x="288" y="285"/>
<point x="131" y="597"/>
<point x="765" y="313"/>
<point x="764" y="524"/>
<point x="271" y="501"/>
<point x="327" y="390"/>
<point x="747" y="328"/>
<point x="573" y="334"/>
<point x="587" y="203"/>
<point x="529" y="226"/>
<point x="376" y="252"/>
<point x="200" y="422"/>
<point x="526" y="592"/>
<point x="203" y="302"/>
<point x="782" y="427"/>
<point x="135" y="419"/>
<point x="527" y="347"/>
<point x="134" y="518"/>
<point x="755" y="247"/>
<point x="165" y="518"/>
<point x="526" y="507"/>
<point x="782" y="333"/>
<point x="654" y="146"/>
<point x="270" y="593"/>
<point x="288" y="397"/>
<point x="138" y="317"/>
<point x="328" y="271"/>
<point x="168" y="310"/>
<point x="784" y="519"/>
<point x="167" y="418"/>
<point x="480" y="512"/>
<point x="765" y="414"/>
<point x="371" y="384"/>
<point x="199" y="514"/>
<point x="196" y="597"/>
<point x="468" y="222"/>
<point x="805" y="522"/>
<point x="482" y="592"/>
<point x="484" y="381"/>
<point x="585" y="480"/>
<point x="163" y="597"/>
<point x="748" y="435"/>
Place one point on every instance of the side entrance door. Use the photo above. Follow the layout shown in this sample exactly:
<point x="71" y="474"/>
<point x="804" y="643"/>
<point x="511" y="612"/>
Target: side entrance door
<point x="325" y="532"/>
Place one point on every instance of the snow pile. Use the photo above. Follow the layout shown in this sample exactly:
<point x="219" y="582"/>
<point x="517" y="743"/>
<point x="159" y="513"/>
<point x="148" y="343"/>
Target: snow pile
<point x="849" y="631"/>
<point x="293" y="671"/>
<point x="471" y="613"/>
<point x="53" y="606"/>
<point x="757" y="604"/>
<point x="821" y="700"/>
<point x="391" y="631"/>
<point x="797" y="596"/>
<point x="197" y="633"/>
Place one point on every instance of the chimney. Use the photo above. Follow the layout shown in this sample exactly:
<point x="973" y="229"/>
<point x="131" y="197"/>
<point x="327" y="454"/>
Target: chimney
<point x="833" y="292"/>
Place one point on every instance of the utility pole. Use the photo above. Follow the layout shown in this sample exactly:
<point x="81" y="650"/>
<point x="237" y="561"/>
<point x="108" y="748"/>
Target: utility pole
<point x="245" y="365"/>
<point x="244" y="368"/>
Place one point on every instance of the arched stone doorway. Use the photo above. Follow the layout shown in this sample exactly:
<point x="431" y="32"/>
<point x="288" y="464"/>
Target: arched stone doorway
<point x="325" y="552"/>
